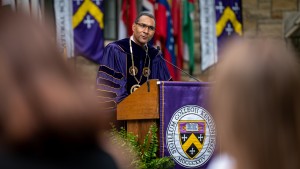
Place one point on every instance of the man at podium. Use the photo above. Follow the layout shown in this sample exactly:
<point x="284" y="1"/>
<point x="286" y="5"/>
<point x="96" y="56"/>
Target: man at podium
<point x="128" y="63"/>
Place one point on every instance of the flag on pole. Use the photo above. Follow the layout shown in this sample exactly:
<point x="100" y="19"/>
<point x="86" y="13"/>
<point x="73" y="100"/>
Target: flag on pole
<point x="177" y="23"/>
<point x="148" y="6"/>
<point x="161" y="30"/>
<point x="127" y="17"/>
<point x="164" y="34"/>
<point x="188" y="33"/>
<point x="88" y="26"/>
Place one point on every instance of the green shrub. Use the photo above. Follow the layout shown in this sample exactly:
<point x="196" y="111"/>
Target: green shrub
<point x="145" y="154"/>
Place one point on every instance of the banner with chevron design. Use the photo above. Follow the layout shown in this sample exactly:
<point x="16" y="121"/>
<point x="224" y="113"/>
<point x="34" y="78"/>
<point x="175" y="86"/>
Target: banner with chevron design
<point x="228" y="20"/>
<point x="220" y="20"/>
<point x="88" y="26"/>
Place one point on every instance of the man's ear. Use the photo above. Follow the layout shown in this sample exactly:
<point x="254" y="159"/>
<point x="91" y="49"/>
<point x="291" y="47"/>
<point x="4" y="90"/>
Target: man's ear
<point x="133" y="27"/>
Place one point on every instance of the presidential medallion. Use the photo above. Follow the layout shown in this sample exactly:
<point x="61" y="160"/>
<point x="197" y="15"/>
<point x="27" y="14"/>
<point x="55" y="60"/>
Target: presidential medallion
<point x="133" y="70"/>
<point x="134" y="88"/>
<point x="146" y="71"/>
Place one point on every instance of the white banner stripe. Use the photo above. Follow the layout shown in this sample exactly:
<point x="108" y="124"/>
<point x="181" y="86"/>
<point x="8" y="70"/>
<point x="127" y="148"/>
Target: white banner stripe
<point x="63" y="16"/>
<point x="208" y="33"/>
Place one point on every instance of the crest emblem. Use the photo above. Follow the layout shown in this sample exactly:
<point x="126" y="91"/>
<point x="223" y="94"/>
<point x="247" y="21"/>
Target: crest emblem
<point x="192" y="136"/>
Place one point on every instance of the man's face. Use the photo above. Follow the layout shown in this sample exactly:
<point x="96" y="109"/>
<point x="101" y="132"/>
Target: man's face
<point x="143" y="30"/>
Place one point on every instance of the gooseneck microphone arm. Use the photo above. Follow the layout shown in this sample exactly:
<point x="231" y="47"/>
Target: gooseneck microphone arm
<point x="148" y="74"/>
<point x="159" y="51"/>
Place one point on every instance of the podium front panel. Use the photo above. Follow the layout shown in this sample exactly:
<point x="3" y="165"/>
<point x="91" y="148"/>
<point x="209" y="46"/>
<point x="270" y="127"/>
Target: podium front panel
<point x="187" y="128"/>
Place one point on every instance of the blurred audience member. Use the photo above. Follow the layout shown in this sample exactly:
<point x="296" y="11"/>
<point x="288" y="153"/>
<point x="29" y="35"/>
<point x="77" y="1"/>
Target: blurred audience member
<point x="47" y="118"/>
<point x="256" y="102"/>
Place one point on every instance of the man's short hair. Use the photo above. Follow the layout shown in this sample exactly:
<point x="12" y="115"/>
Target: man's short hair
<point x="144" y="14"/>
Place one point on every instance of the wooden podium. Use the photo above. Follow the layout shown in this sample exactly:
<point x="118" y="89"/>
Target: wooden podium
<point x="140" y="109"/>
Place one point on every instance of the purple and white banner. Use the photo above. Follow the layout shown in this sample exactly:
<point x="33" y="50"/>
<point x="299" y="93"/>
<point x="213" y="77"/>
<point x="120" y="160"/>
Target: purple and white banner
<point x="88" y="26"/>
<point x="220" y="20"/>
<point x="187" y="128"/>
<point x="229" y="21"/>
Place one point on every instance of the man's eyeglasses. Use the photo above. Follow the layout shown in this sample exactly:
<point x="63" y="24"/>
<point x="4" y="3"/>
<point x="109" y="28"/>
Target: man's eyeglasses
<point x="151" y="28"/>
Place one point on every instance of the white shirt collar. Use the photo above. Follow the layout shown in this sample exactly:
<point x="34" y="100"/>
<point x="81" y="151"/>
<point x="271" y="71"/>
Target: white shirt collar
<point x="131" y="38"/>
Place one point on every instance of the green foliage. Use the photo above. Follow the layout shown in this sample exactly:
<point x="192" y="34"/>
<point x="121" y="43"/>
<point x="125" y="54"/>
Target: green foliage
<point x="146" y="153"/>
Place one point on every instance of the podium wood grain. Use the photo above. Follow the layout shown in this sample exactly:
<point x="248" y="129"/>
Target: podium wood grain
<point x="140" y="109"/>
<point x="141" y="104"/>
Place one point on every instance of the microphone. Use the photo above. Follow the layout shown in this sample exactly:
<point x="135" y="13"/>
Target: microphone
<point x="159" y="51"/>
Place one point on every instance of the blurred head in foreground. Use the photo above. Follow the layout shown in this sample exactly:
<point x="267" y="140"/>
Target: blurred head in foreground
<point x="41" y="99"/>
<point x="256" y="101"/>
